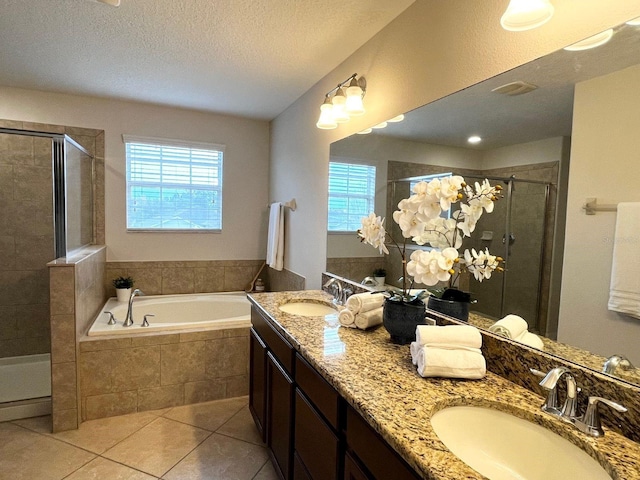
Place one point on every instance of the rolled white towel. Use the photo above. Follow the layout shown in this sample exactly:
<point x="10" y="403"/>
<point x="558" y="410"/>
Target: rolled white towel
<point x="437" y="362"/>
<point x="364" y="302"/>
<point x="369" y="319"/>
<point x="415" y="349"/>
<point x="511" y="326"/>
<point x="347" y="318"/>
<point x="531" y="339"/>
<point x="452" y="336"/>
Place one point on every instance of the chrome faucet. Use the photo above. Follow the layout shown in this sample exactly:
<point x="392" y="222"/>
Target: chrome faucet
<point x="569" y="409"/>
<point x="615" y="361"/>
<point x="589" y="423"/>
<point x="369" y="282"/>
<point x="336" y="290"/>
<point x="128" y="321"/>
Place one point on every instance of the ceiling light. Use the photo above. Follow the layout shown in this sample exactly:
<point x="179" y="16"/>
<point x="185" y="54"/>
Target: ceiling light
<point x="399" y="118"/>
<point x="380" y="125"/>
<point x="635" y="22"/>
<point x="365" y="131"/>
<point x="526" y="14"/>
<point x="326" y="121"/>
<point x="340" y="108"/>
<point x="474" y="139"/>
<point x="515" y="88"/>
<point x="113" y="3"/>
<point x="591" y="42"/>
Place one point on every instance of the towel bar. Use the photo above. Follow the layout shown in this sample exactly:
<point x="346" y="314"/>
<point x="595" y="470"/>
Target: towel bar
<point x="290" y="204"/>
<point x="591" y="207"/>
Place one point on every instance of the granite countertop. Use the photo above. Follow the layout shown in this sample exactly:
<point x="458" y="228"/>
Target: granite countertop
<point x="377" y="379"/>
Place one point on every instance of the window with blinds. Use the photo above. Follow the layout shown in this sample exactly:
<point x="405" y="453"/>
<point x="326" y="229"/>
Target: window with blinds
<point x="173" y="185"/>
<point x="352" y="189"/>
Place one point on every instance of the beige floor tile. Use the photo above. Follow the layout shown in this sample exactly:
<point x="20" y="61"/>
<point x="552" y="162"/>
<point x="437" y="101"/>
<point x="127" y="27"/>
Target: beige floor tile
<point x="267" y="472"/>
<point x="208" y="415"/>
<point x="28" y="455"/>
<point x="37" y="424"/>
<point x="220" y="458"/>
<point x="158" y="446"/>
<point x="102" y="469"/>
<point x="242" y="427"/>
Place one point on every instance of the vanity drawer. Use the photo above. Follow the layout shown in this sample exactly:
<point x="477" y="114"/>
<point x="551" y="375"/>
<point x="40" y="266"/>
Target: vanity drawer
<point x="281" y="349"/>
<point x="324" y="397"/>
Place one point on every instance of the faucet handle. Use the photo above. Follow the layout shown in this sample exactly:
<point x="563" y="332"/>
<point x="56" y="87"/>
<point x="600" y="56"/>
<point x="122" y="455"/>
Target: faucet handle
<point x="589" y="423"/>
<point x="112" y="319"/>
<point x="145" y="322"/>
<point x="550" y="405"/>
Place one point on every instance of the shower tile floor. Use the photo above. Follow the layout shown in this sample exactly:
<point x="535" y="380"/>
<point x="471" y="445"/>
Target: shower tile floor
<point x="214" y="440"/>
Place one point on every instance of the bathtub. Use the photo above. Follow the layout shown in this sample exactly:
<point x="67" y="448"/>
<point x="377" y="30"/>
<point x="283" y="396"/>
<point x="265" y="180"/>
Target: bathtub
<point x="20" y="398"/>
<point x="211" y="311"/>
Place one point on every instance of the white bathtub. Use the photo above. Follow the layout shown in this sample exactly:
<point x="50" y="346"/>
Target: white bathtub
<point x="25" y="386"/>
<point x="211" y="311"/>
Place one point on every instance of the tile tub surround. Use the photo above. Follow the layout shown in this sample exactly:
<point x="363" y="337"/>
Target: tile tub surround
<point x="151" y="371"/>
<point x="378" y="380"/>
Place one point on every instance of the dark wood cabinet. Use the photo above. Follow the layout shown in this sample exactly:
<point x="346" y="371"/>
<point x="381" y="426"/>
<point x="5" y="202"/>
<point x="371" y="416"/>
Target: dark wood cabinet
<point x="279" y="415"/>
<point x="353" y="471"/>
<point x="258" y="382"/>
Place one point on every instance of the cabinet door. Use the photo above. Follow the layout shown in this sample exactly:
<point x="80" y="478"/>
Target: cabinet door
<point x="352" y="470"/>
<point x="315" y="442"/>
<point x="257" y="382"/>
<point x="279" y="416"/>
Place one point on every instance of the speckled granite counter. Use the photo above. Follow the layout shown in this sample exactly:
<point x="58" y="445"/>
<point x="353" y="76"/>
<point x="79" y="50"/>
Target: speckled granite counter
<point x="378" y="380"/>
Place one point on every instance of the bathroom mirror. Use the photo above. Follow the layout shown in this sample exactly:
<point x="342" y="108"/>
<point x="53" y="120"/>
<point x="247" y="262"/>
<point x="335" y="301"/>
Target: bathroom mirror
<point x="530" y="135"/>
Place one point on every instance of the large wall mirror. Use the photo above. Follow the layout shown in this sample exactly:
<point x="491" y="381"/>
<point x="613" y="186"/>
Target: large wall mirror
<point x="555" y="131"/>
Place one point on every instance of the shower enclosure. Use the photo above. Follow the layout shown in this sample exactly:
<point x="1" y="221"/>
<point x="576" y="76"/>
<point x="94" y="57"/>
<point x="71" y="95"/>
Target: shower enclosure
<point x="46" y="212"/>
<point x="518" y="231"/>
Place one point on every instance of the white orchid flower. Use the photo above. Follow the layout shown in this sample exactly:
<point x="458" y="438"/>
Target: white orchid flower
<point x="373" y="232"/>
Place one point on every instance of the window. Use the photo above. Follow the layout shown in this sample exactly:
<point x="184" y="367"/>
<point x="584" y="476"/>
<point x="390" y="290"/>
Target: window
<point x="351" y="195"/>
<point x="173" y="185"/>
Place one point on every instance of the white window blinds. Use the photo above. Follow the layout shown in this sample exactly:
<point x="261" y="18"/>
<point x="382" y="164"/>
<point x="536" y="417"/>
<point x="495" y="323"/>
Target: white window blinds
<point x="173" y="185"/>
<point x="351" y="195"/>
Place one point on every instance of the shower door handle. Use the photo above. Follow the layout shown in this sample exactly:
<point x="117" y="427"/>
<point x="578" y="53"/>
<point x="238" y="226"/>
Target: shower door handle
<point x="512" y="238"/>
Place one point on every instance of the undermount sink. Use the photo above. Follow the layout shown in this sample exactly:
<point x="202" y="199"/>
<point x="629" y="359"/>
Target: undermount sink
<point x="308" y="309"/>
<point x="501" y="446"/>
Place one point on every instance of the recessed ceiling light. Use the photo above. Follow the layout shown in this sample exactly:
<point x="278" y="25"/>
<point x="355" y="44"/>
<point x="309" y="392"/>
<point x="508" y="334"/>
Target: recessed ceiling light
<point x="474" y="139"/>
<point x="380" y="125"/>
<point x="365" y="131"/>
<point x="591" y="42"/>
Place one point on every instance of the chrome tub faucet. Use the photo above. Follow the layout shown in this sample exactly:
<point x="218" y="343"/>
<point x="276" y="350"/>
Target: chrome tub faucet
<point x="128" y="321"/>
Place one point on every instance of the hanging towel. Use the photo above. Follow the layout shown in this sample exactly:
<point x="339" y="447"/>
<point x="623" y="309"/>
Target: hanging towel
<point x="275" y="238"/>
<point x="438" y="362"/>
<point x="624" y="293"/>
<point x="452" y="336"/>
<point x="369" y="319"/>
<point x="346" y="318"/>
<point x="364" y="302"/>
<point x="511" y="326"/>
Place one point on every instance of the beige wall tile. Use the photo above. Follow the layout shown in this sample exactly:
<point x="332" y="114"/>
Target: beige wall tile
<point x="208" y="279"/>
<point x="183" y="362"/>
<point x="149" y="280"/>
<point x="62" y="290"/>
<point x="16" y="149"/>
<point x="43" y="127"/>
<point x="160" y="397"/>
<point x="177" y="280"/>
<point x="63" y="386"/>
<point x="155" y="340"/>
<point x="195" y="392"/>
<point x="63" y="339"/>
<point x="205" y="335"/>
<point x="11" y="124"/>
<point x="237" y="278"/>
<point x="136" y="368"/>
<point x="111" y="404"/>
<point x="237" y="386"/>
<point x="63" y="420"/>
<point x="236" y="332"/>
<point x="96" y="371"/>
<point x="227" y="357"/>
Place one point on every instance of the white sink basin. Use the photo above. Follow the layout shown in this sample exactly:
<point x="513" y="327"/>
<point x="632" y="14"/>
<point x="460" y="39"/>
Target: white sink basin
<point x="308" y="309"/>
<point x="503" y="447"/>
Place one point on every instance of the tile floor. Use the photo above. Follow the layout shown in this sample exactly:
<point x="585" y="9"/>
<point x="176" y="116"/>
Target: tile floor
<point x="213" y="440"/>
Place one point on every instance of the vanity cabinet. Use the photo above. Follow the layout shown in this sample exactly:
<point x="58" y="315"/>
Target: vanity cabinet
<point x="311" y="432"/>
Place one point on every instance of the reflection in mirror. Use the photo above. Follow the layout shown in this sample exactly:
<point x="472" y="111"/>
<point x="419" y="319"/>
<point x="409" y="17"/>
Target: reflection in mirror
<point x="531" y="136"/>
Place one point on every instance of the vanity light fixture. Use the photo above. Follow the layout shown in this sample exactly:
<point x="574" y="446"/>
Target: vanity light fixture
<point x="592" y="42"/>
<point x="523" y="15"/>
<point x="113" y="3"/>
<point x="365" y="131"/>
<point x="635" y="22"/>
<point x="473" y="139"/>
<point x="339" y="107"/>
<point x="399" y="118"/>
<point x="380" y="125"/>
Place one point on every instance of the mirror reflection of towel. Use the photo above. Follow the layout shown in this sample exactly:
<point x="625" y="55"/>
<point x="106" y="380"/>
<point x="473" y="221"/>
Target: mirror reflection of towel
<point x="275" y="238"/>
<point x="624" y="294"/>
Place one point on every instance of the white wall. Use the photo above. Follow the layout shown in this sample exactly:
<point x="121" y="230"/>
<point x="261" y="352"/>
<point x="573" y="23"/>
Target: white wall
<point x="246" y="170"/>
<point x="431" y="50"/>
<point x="605" y="163"/>
<point x="541" y="151"/>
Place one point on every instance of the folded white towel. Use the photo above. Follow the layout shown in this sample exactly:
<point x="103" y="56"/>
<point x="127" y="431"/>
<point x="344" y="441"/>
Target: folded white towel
<point x="275" y="237"/>
<point x="347" y="318"/>
<point x="511" y="326"/>
<point x="369" y="319"/>
<point x="531" y="339"/>
<point x="414" y="348"/>
<point x="452" y="336"/>
<point x="437" y="362"/>
<point x="364" y="302"/>
<point x="624" y="294"/>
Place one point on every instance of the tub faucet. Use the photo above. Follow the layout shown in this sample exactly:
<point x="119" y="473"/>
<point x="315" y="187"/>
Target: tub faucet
<point x="336" y="290"/>
<point x="549" y="382"/>
<point x="128" y="321"/>
<point x="615" y="361"/>
<point x="369" y="282"/>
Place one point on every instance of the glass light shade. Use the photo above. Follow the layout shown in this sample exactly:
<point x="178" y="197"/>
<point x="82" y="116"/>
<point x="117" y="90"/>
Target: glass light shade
<point x="354" y="106"/>
<point x="591" y="42"/>
<point x="339" y="101"/>
<point x="474" y="139"/>
<point x="635" y="22"/>
<point x="399" y="118"/>
<point x="365" y="131"/>
<point x="380" y="125"/>
<point x="326" y="121"/>
<point x="526" y="14"/>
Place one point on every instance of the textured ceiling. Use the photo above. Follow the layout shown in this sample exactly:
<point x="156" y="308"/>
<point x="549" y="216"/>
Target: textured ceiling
<point x="250" y="58"/>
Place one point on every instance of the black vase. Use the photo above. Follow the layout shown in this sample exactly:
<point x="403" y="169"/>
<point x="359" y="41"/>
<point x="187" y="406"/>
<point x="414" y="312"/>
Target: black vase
<point x="401" y="319"/>
<point x="452" y="308"/>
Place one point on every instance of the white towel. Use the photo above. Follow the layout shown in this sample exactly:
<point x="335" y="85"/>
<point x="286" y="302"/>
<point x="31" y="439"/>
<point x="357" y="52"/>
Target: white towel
<point x="275" y="238"/>
<point x="414" y="348"/>
<point x="369" y="319"/>
<point x="437" y="362"/>
<point x="624" y="293"/>
<point x="511" y="326"/>
<point x="452" y="336"/>
<point x="346" y="318"/>
<point x="364" y="302"/>
<point x="531" y="339"/>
